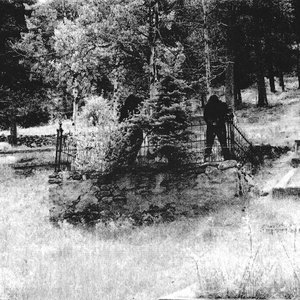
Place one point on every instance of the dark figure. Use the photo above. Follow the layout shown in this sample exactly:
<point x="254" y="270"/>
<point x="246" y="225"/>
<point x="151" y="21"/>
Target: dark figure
<point x="130" y="107"/>
<point x="134" y="134"/>
<point x="216" y="113"/>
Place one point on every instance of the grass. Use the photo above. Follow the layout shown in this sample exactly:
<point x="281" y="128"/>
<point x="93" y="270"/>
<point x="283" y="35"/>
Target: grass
<point x="39" y="261"/>
<point x="275" y="125"/>
<point x="266" y="266"/>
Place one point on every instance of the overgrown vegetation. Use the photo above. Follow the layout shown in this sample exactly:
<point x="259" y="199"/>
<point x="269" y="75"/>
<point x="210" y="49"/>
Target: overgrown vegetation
<point x="97" y="124"/>
<point x="245" y="249"/>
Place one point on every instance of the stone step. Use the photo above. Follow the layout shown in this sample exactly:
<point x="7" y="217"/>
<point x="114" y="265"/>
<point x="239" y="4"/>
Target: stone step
<point x="289" y="185"/>
<point x="188" y="293"/>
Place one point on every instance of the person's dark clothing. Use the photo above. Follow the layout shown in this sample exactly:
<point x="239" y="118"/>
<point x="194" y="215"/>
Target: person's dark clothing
<point x="215" y="115"/>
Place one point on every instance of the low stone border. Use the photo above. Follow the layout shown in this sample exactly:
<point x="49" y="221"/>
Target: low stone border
<point x="33" y="141"/>
<point x="31" y="150"/>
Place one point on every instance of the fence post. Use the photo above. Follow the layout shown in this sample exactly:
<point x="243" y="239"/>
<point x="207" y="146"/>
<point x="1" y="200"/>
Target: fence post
<point x="230" y="135"/>
<point x="58" y="152"/>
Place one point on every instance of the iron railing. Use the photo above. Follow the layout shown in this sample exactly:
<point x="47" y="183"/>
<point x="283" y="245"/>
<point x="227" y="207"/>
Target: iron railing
<point x="239" y="146"/>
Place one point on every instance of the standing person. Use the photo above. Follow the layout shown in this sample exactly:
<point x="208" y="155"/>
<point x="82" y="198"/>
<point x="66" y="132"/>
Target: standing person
<point x="216" y="113"/>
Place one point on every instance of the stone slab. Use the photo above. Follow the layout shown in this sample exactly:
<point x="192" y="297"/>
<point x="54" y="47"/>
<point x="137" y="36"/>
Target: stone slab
<point x="294" y="182"/>
<point x="289" y="185"/>
<point x="188" y="293"/>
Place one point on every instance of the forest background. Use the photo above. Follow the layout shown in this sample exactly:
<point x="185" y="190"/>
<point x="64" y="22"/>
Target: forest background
<point x="57" y="54"/>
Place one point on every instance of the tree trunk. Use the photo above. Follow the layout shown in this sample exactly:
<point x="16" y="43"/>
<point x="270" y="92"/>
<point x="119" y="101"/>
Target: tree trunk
<point x="237" y="89"/>
<point x="65" y="105"/>
<point x="298" y="65"/>
<point x="281" y="80"/>
<point x="153" y="30"/>
<point x="206" y="50"/>
<point x="13" y="131"/>
<point x="238" y="101"/>
<point x="272" y="81"/>
<point x="229" y="84"/>
<point x="75" y="112"/>
<point x="270" y="64"/>
<point x="260" y="79"/>
<point x="262" y="95"/>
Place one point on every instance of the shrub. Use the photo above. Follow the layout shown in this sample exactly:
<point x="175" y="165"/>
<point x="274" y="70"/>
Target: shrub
<point x="97" y="123"/>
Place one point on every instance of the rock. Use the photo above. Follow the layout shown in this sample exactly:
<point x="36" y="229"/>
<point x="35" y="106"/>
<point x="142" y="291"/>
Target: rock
<point x="159" y="188"/>
<point x="107" y="199"/>
<point x="210" y="170"/>
<point x="55" y="180"/>
<point x="295" y="162"/>
<point x="87" y="200"/>
<point x="264" y="194"/>
<point x="120" y="199"/>
<point x="125" y="183"/>
<point x="4" y="146"/>
<point x="214" y="174"/>
<point x="8" y="160"/>
<point x="201" y="181"/>
<point x="104" y="194"/>
<point x="227" y="164"/>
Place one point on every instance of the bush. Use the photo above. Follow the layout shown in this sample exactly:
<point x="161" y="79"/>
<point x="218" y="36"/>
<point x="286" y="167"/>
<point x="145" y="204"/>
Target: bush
<point x="97" y="123"/>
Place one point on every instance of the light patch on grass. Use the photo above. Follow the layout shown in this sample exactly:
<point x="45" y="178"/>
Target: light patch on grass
<point x="275" y="125"/>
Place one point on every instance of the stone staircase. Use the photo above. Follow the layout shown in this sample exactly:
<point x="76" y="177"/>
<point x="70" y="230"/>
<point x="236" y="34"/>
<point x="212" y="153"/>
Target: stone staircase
<point x="289" y="184"/>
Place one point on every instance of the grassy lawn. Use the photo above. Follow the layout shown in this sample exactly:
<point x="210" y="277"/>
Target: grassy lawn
<point x="220" y="251"/>
<point x="277" y="124"/>
<point x="39" y="261"/>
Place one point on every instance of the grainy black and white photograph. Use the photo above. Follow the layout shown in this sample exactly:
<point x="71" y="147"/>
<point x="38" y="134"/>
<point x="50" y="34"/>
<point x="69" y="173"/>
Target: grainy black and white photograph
<point x="149" y="149"/>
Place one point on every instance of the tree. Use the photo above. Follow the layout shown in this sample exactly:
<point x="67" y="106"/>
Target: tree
<point x="169" y="121"/>
<point x="13" y="76"/>
<point x="296" y="27"/>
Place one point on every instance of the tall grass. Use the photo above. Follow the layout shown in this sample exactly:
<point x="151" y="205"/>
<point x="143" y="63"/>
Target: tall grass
<point x="39" y="261"/>
<point x="231" y="270"/>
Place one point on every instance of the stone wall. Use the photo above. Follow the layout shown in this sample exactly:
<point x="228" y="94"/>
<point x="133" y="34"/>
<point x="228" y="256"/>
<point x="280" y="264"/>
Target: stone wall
<point x="32" y="141"/>
<point x="145" y="195"/>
